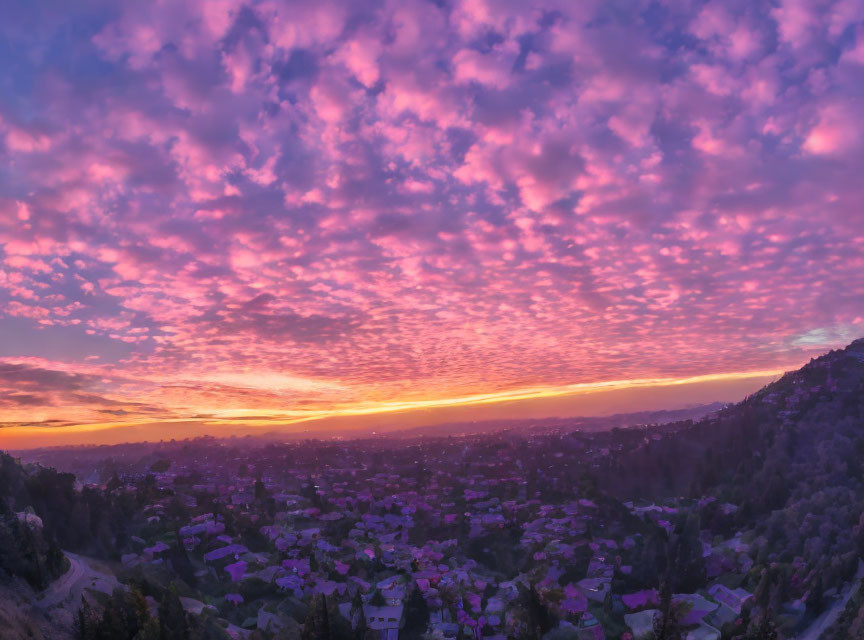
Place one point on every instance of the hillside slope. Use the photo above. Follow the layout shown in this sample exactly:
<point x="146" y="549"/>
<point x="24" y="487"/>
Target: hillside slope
<point x="789" y="459"/>
<point x="805" y="422"/>
<point x="20" y="618"/>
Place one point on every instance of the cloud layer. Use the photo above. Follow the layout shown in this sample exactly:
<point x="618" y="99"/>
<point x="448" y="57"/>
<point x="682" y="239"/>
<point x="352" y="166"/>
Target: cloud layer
<point x="253" y="206"/>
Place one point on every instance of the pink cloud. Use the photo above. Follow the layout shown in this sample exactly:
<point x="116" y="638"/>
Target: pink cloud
<point x="837" y="130"/>
<point x="388" y="198"/>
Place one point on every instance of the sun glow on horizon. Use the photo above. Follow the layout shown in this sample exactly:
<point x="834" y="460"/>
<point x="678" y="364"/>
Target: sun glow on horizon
<point x="284" y="418"/>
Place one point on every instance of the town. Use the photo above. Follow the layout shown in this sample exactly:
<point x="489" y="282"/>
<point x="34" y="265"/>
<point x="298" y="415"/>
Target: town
<point x="492" y="536"/>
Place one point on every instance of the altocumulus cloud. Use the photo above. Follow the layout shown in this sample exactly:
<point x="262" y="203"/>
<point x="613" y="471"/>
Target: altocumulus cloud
<point x="419" y="198"/>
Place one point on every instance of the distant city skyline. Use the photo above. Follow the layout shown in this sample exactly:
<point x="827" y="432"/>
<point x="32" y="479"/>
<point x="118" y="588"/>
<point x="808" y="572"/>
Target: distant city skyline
<point x="222" y="216"/>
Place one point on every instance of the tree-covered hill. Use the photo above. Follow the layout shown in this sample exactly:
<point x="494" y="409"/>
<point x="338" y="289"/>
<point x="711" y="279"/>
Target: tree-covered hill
<point x="789" y="457"/>
<point x="43" y="511"/>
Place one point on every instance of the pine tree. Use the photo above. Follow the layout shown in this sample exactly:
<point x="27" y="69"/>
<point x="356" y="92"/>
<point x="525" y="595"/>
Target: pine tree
<point x="416" y="615"/>
<point x="84" y="627"/>
<point x="113" y="484"/>
<point x="814" y="601"/>
<point x="538" y="618"/>
<point x="666" y="623"/>
<point x="317" y="624"/>
<point x="685" y="555"/>
<point x="361" y="628"/>
<point x="763" y="589"/>
<point x="765" y="630"/>
<point x="150" y="630"/>
<point x="356" y="603"/>
<point x="172" y="618"/>
<point x="323" y="622"/>
<point x="55" y="561"/>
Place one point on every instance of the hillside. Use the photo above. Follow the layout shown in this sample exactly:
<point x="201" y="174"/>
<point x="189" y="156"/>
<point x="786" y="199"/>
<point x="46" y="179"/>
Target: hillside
<point x="20" y="618"/>
<point x="809" y="416"/>
<point x="789" y="459"/>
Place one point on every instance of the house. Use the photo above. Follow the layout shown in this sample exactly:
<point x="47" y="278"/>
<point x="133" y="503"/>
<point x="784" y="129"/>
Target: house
<point x="641" y="599"/>
<point x="191" y="605"/>
<point x="589" y="628"/>
<point x="394" y="595"/>
<point x="694" y="606"/>
<point x="155" y="550"/>
<point x="268" y="621"/>
<point x="393" y="590"/>
<point x="386" y="620"/>
<point x="735" y="599"/>
<point x="642" y="623"/>
<point x="703" y="632"/>
<point x="595" y="588"/>
<point x="235" y="550"/>
<point x="130" y="559"/>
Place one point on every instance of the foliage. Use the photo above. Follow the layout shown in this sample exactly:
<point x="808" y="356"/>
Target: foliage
<point x="789" y="457"/>
<point x="416" y="616"/>
<point x="90" y="521"/>
<point x="667" y="625"/>
<point x="25" y="552"/>
<point x="317" y="624"/>
<point x="173" y="624"/>
<point x="124" y="617"/>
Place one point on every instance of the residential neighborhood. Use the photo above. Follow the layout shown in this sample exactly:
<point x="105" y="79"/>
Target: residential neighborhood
<point x="471" y="537"/>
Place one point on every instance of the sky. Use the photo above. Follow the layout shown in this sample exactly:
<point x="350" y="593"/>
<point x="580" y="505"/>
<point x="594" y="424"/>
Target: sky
<point x="223" y="214"/>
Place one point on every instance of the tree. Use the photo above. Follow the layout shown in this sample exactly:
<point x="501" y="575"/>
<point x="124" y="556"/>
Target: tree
<point x="206" y="627"/>
<point x="361" y="628"/>
<point x="172" y="618"/>
<point x="150" y="630"/>
<point x="814" y="602"/>
<point x="538" y="618"/>
<point x="317" y="624"/>
<point x="179" y="559"/>
<point x="84" y="626"/>
<point x="260" y="490"/>
<point x="114" y="483"/>
<point x="666" y="623"/>
<point x="763" y="589"/>
<point x="765" y="630"/>
<point x="356" y="603"/>
<point x="124" y="617"/>
<point x="161" y="466"/>
<point x="685" y="556"/>
<point x="416" y="615"/>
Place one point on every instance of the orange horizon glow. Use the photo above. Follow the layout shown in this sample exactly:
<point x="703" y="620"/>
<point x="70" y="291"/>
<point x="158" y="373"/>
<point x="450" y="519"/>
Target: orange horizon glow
<point x="285" y="418"/>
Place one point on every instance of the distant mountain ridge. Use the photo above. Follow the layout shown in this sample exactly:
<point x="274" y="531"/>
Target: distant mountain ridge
<point x="578" y="423"/>
<point x="57" y="456"/>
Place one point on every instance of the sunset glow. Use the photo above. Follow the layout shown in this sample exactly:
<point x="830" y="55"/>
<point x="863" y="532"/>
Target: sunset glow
<point x="227" y="213"/>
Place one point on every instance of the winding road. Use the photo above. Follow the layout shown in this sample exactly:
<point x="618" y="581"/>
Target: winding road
<point x="69" y="587"/>
<point x="828" y="617"/>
